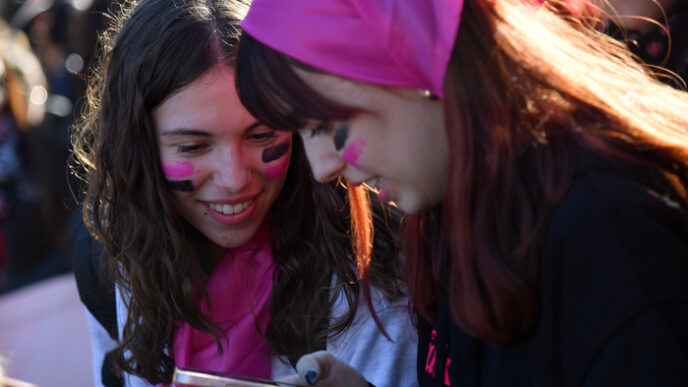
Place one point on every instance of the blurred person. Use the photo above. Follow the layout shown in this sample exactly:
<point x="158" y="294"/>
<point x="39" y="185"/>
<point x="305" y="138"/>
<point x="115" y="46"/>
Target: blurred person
<point x="655" y="31"/>
<point x="223" y="257"/>
<point x="36" y="245"/>
<point x="39" y="206"/>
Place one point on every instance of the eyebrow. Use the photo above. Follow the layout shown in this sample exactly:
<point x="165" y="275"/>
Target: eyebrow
<point x="185" y="132"/>
<point x="253" y="126"/>
<point x="196" y="132"/>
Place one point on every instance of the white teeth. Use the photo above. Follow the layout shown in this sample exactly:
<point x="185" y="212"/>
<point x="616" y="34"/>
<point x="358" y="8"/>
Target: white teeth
<point x="229" y="209"/>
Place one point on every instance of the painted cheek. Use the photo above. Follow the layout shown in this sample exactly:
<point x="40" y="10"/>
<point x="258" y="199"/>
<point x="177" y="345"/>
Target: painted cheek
<point x="275" y="152"/>
<point x="275" y="171"/>
<point x="181" y="185"/>
<point x="353" y="151"/>
<point x="341" y="136"/>
<point x="177" y="169"/>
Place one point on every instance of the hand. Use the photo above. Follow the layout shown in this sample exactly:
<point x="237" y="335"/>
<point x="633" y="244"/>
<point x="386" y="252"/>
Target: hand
<point x="322" y="369"/>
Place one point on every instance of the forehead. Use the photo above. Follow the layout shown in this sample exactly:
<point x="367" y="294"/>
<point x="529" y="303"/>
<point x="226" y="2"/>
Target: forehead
<point x="338" y="89"/>
<point x="208" y="103"/>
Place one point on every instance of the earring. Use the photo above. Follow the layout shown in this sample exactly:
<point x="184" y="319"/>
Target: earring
<point x="428" y="94"/>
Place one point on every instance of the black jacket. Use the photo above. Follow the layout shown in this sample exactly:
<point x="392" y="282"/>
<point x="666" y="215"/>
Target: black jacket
<point x="614" y="299"/>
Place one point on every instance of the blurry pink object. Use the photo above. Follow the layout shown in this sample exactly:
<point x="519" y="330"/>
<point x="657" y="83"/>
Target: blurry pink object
<point x="404" y="43"/>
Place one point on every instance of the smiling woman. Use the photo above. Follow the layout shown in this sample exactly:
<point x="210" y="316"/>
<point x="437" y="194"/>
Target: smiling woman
<point x="227" y="169"/>
<point x="225" y="253"/>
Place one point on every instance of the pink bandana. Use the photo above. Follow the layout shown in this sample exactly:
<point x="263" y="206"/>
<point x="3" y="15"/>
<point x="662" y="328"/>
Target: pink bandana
<point x="405" y="43"/>
<point x="239" y="289"/>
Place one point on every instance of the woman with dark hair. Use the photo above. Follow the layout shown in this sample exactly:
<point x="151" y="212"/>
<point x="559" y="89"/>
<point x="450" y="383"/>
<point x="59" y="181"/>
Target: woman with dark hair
<point x="226" y="255"/>
<point x="546" y="170"/>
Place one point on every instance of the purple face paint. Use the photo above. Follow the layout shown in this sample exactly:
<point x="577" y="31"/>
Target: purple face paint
<point x="351" y="152"/>
<point x="341" y="135"/>
<point x="275" y="171"/>
<point x="177" y="169"/>
<point x="181" y="185"/>
<point x="275" y="152"/>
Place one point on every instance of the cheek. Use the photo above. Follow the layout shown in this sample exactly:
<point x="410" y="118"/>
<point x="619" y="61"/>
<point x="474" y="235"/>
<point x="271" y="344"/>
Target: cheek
<point x="177" y="169"/>
<point x="352" y="152"/>
<point x="274" y="172"/>
<point x="181" y="185"/>
<point x="276" y="152"/>
<point x="278" y="157"/>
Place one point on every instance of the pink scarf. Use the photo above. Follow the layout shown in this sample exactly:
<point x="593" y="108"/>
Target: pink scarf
<point x="239" y="290"/>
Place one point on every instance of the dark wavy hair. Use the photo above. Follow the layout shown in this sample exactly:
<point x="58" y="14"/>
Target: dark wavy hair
<point x="152" y="49"/>
<point x="532" y="90"/>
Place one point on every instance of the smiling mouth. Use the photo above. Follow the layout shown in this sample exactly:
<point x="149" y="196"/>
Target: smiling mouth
<point x="231" y="209"/>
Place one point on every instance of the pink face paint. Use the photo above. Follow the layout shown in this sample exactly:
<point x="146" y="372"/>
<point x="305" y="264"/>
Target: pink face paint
<point x="275" y="171"/>
<point x="177" y="169"/>
<point x="351" y="152"/>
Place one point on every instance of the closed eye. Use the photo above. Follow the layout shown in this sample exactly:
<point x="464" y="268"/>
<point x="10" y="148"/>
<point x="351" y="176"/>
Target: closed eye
<point x="190" y="148"/>
<point x="262" y="136"/>
<point x="322" y="127"/>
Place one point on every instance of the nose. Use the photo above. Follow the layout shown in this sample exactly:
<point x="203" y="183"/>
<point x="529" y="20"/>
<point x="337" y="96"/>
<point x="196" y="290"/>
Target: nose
<point x="326" y="163"/>
<point x="232" y="172"/>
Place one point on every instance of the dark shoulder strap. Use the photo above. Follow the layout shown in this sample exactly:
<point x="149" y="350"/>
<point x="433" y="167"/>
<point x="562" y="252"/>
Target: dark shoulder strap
<point x="96" y="290"/>
<point x="97" y="293"/>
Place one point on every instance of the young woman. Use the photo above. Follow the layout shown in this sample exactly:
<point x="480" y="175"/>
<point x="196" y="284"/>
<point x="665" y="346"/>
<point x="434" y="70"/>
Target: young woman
<point x="226" y="255"/>
<point x="549" y="180"/>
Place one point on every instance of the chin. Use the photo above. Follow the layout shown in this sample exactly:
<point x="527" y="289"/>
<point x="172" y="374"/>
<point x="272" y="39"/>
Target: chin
<point x="409" y="208"/>
<point x="236" y="239"/>
<point x="414" y="206"/>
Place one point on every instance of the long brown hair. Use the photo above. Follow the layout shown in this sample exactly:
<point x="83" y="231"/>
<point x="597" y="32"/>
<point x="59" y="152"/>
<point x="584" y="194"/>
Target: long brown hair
<point x="152" y="49"/>
<point x="527" y="90"/>
<point x="532" y="90"/>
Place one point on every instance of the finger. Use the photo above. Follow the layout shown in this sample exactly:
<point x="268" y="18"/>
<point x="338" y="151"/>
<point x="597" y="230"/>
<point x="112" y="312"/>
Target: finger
<point x="315" y="366"/>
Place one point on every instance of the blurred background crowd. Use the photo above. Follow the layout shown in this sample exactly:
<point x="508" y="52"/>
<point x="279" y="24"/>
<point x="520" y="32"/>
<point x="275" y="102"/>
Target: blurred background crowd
<point x="45" y="49"/>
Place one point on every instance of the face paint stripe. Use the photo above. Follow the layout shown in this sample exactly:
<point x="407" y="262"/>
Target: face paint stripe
<point x="276" y="171"/>
<point x="275" y="152"/>
<point x="177" y="169"/>
<point x="351" y="153"/>
<point x="340" y="137"/>
<point x="181" y="185"/>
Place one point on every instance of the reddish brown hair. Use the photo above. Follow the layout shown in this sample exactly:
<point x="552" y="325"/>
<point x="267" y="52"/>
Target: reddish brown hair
<point x="516" y="123"/>
<point x="526" y="91"/>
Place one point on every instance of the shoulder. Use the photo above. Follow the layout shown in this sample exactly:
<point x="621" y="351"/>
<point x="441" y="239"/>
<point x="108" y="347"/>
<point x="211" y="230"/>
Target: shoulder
<point x="612" y="234"/>
<point x="382" y="361"/>
<point x="613" y="270"/>
<point x="608" y="213"/>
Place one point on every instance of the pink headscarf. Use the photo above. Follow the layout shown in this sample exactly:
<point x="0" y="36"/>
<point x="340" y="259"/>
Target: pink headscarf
<point x="404" y="43"/>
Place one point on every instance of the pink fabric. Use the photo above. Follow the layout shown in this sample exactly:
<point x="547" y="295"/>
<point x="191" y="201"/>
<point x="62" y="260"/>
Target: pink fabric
<point x="239" y="289"/>
<point x="404" y="43"/>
